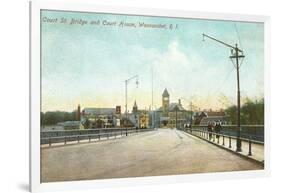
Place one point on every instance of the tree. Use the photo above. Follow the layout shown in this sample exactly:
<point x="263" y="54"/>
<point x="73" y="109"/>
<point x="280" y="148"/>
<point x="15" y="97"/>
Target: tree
<point x="252" y="113"/>
<point x="86" y="124"/>
<point x="54" y="117"/>
<point x="232" y="113"/>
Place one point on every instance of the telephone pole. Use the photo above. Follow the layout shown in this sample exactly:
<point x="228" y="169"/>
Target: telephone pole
<point x="176" y="108"/>
<point x="235" y="56"/>
<point x="152" y="111"/>
<point x="191" y="113"/>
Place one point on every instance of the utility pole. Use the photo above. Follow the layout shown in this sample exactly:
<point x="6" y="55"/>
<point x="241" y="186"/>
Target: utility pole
<point x="235" y="59"/>
<point x="191" y="114"/>
<point x="176" y="116"/>
<point x="126" y="93"/>
<point x="152" y="112"/>
<point x="145" y="118"/>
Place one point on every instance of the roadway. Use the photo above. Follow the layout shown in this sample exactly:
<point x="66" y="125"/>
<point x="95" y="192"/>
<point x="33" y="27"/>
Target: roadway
<point x="153" y="153"/>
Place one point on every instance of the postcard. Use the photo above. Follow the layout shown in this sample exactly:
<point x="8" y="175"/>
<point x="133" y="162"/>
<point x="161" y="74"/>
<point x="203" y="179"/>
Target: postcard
<point x="137" y="95"/>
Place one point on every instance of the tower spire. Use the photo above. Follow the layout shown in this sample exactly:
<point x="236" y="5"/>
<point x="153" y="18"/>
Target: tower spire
<point x="135" y="107"/>
<point x="165" y="93"/>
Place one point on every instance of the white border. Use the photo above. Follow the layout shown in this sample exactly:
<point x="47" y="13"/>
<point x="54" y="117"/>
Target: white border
<point x="35" y="74"/>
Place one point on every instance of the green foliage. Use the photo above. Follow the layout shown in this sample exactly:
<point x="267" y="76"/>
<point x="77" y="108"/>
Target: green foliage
<point x="252" y="113"/>
<point x="54" y="117"/>
<point x="86" y="124"/>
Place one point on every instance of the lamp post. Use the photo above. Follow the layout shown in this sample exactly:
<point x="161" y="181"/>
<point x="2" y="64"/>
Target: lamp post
<point x="235" y="57"/>
<point x="191" y="114"/>
<point x="176" y="108"/>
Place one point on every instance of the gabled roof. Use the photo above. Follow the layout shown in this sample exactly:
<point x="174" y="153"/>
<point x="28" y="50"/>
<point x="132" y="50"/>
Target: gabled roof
<point x="215" y="113"/>
<point x="99" y="111"/>
<point x="172" y="107"/>
<point x="210" y="113"/>
<point x="205" y="120"/>
<point x="203" y="114"/>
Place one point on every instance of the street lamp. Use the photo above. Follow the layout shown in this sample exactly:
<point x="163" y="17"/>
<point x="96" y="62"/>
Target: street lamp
<point x="235" y="58"/>
<point x="176" y="108"/>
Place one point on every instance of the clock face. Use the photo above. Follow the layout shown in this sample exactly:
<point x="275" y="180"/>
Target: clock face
<point x="166" y="98"/>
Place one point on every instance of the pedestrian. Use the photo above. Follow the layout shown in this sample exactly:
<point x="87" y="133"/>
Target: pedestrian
<point x="218" y="129"/>
<point x="210" y="130"/>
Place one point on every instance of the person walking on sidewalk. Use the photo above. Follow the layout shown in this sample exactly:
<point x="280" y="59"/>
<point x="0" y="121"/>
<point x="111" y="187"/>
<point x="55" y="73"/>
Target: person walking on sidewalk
<point x="210" y="130"/>
<point x="218" y="129"/>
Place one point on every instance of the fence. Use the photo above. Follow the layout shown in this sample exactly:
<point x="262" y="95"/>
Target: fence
<point x="222" y="138"/>
<point x="64" y="136"/>
<point x="255" y="132"/>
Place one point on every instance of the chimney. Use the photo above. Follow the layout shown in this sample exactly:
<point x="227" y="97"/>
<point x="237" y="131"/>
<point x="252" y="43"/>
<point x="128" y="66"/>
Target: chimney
<point x="179" y="102"/>
<point x="78" y="114"/>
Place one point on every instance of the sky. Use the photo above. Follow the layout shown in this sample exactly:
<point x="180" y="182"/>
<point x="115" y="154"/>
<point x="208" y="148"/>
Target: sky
<point x="88" y="63"/>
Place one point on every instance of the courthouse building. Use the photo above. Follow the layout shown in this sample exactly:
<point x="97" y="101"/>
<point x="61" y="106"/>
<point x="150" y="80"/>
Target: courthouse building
<point x="170" y="115"/>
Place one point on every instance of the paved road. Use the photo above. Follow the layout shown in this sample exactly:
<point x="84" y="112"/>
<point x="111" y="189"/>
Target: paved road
<point x="162" y="152"/>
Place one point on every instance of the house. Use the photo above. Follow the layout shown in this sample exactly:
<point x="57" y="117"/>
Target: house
<point x="101" y="117"/>
<point x="204" y="117"/>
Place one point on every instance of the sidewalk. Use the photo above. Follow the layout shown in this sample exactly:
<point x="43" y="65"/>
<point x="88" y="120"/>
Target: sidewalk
<point x="257" y="149"/>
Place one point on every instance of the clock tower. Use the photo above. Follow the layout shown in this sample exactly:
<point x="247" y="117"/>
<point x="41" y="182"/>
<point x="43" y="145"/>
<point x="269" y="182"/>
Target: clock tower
<point x="165" y="102"/>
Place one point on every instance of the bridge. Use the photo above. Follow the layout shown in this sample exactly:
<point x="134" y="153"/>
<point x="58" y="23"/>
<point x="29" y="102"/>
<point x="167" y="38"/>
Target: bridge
<point x="149" y="153"/>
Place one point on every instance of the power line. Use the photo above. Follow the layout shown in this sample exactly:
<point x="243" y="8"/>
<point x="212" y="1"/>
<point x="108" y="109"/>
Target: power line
<point x="218" y="89"/>
<point x="238" y="35"/>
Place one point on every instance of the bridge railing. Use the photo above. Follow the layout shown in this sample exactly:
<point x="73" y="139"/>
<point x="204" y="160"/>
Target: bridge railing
<point x="65" y="136"/>
<point x="222" y="138"/>
<point x="256" y="132"/>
